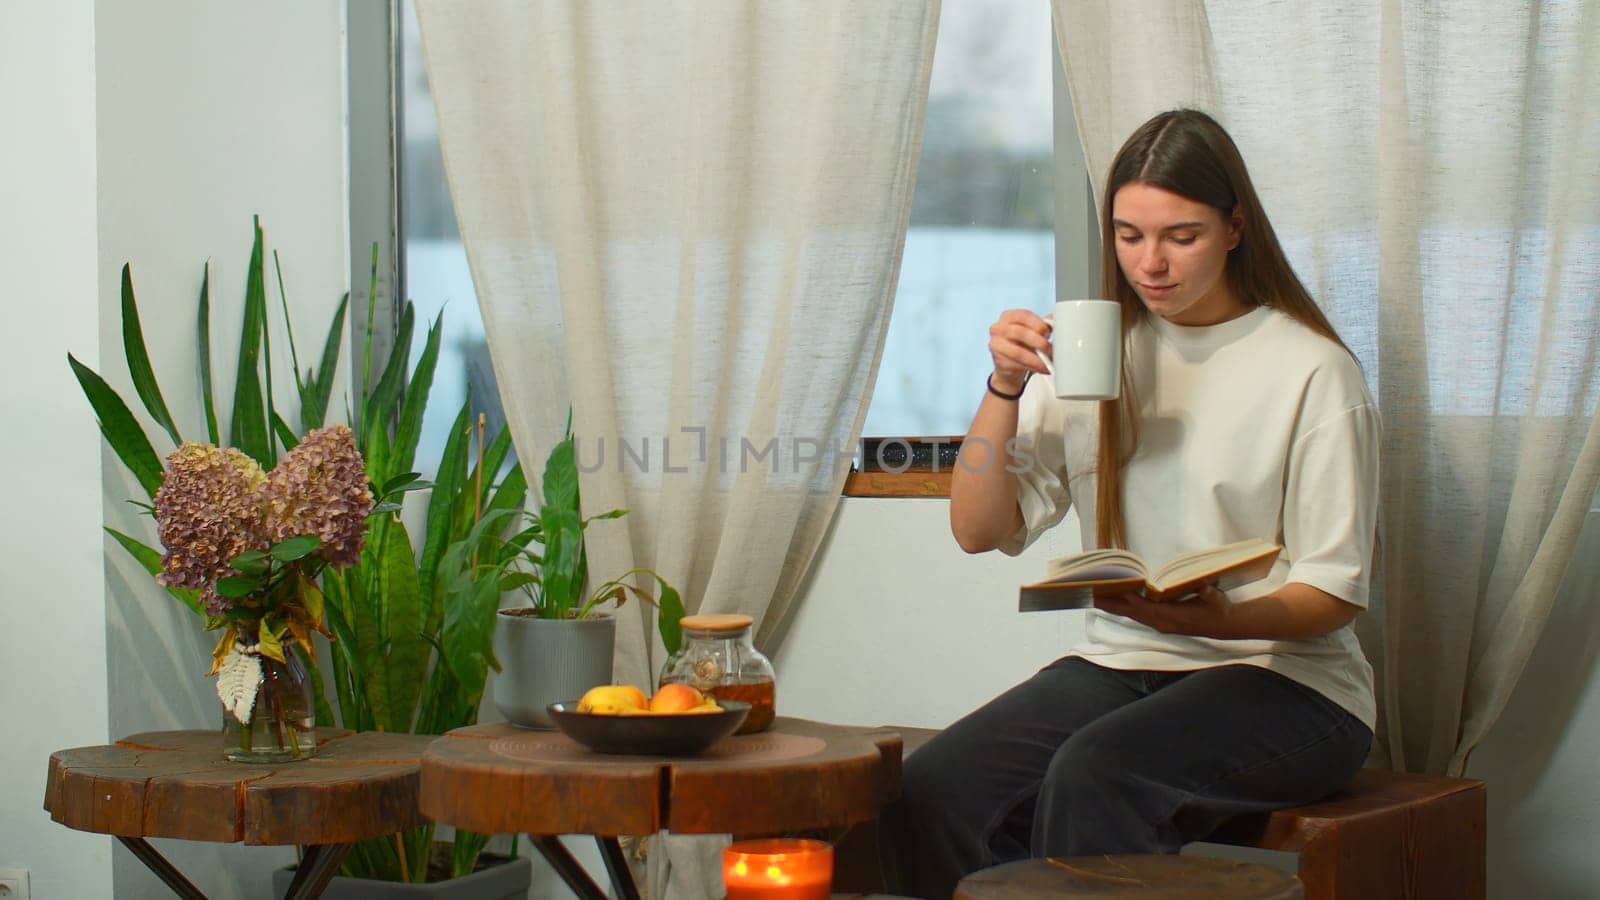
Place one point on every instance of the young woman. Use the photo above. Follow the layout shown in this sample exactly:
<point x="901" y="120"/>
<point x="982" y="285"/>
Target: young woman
<point x="1242" y="415"/>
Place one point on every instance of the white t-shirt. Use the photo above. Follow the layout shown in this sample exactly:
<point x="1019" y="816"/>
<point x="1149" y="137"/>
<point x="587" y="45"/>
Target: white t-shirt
<point x="1254" y="428"/>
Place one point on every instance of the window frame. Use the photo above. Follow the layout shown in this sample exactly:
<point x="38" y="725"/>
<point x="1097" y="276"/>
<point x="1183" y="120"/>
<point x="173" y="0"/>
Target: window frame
<point x="882" y="473"/>
<point x="376" y="141"/>
<point x="374" y="158"/>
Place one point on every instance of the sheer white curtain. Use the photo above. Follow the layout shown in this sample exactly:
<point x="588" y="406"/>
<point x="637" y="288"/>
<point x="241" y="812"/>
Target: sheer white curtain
<point x="685" y="220"/>
<point x="1434" y="172"/>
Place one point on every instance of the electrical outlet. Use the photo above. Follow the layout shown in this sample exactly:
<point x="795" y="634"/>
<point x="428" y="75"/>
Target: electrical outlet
<point x="13" y="884"/>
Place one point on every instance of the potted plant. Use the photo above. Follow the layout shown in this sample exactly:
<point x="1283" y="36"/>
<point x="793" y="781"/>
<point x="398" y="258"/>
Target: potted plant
<point x="411" y="619"/>
<point x="561" y="643"/>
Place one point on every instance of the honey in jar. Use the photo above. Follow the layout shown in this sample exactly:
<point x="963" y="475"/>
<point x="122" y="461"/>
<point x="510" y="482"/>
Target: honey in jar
<point x="719" y="658"/>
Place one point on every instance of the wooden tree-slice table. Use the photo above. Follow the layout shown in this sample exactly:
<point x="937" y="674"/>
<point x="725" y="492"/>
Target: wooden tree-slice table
<point x="796" y="776"/>
<point x="175" y="784"/>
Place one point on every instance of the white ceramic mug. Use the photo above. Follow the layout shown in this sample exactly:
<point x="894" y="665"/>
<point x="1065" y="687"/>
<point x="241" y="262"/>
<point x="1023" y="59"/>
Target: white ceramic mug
<point x="1086" y="336"/>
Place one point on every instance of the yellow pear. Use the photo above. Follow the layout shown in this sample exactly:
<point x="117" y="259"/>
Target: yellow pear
<point x="710" y="706"/>
<point x="613" y="700"/>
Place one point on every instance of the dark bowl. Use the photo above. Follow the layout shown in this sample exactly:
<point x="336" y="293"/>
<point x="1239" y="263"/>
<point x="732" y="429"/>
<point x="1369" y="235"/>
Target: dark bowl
<point x="681" y="734"/>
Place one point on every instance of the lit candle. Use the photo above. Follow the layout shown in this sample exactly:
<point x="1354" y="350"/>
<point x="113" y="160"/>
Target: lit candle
<point x="778" y="869"/>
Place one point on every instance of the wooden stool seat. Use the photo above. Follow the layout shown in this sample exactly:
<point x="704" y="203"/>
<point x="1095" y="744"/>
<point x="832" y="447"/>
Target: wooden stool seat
<point x="1129" y="877"/>
<point x="1386" y="834"/>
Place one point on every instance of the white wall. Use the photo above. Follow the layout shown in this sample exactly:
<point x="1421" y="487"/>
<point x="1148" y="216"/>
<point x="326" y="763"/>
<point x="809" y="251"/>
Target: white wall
<point x="52" y="627"/>
<point x="148" y="133"/>
<point x="208" y="113"/>
<point x="898" y="626"/>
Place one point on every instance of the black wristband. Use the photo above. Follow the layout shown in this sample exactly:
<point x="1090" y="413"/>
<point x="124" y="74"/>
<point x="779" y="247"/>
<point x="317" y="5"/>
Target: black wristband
<point x="989" y="383"/>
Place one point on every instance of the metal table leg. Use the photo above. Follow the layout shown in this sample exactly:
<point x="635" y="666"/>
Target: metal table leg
<point x="617" y="867"/>
<point x="164" y="870"/>
<point x="316" y="869"/>
<point x="556" y="854"/>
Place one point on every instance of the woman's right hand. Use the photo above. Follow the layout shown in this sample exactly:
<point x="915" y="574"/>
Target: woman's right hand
<point x="1015" y="341"/>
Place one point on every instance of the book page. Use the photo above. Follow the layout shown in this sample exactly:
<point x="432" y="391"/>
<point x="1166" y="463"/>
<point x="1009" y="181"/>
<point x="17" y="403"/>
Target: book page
<point x="1105" y="572"/>
<point x="1088" y="566"/>
<point x="1200" y="563"/>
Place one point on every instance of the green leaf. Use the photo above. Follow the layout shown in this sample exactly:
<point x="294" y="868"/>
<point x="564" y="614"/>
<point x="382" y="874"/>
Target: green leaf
<point x="452" y="469"/>
<point x="311" y="598"/>
<point x="288" y="326"/>
<point x="203" y="340"/>
<point x="511" y="495"/>
<point x="406" y="664"/>
<point x="120" y="428"/>
<point x="375" y="449"/>
<point x="383" y="407"/>
<point x="408" y="430"/>
<point x="248" y="428"/>
<point x="266" y="364"/>
<point x="285" y="435"/>
<point x="314" y="400"/>
<point x="270" y="640"/>
<point x="494" y="456"/>
<point x="512" y="492"/>
<point x="250" y="562"/>
<point x="469" y="633"/>
<point x="150" y="558"/>
<point x="294" y="548"/>
<point x="363" y="607"/>
<point x="563" y="543"/>
<point x="561" y="477"/>
<point x="383" y="507"/>
<point x="669" y="612"/>
<point x="516" y="545"/>
<point x="514" y="580"/>
<point x="406" y="481"/>
<point x="234" y="587"/>
<point x="144" y="377"/>
<point x="346" y="667"/>
<point x="464" y="852"/>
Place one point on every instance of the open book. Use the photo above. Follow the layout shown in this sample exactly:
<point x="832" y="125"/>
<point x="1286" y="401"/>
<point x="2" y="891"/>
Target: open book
<point x="1072" y="582"/>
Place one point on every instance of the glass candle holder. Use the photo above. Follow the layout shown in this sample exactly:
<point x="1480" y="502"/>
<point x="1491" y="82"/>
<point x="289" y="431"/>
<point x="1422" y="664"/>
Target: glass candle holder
<point x="778" y="869"/>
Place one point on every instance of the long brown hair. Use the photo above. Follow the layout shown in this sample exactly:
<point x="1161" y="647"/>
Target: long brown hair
<point x="1186" y="152"/>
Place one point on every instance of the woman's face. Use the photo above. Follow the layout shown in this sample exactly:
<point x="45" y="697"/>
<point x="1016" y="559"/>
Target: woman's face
<point x="1174" y="252"/>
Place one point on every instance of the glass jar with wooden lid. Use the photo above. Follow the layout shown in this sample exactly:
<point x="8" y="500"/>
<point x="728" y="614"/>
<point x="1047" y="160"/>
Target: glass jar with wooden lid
<point x="719" y="658"/>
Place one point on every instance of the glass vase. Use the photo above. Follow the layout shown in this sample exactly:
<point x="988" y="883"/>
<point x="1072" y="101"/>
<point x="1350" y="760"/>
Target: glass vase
<point x="282" y="722"/>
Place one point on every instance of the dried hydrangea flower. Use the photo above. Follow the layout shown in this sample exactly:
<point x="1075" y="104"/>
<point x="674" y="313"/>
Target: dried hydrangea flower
<point x="208" y="511"/>
<point x="320" y="488"/>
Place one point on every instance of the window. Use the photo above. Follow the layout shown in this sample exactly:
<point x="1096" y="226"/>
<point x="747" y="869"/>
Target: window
<point x="1001" y="204"/>
<point x="981" y="236"/>
<point x="436" y="275"/>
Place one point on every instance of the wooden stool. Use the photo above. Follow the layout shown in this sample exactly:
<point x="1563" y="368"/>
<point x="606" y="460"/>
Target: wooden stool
<point x="1384" y="835"/>
<point x="1130" y="877"/>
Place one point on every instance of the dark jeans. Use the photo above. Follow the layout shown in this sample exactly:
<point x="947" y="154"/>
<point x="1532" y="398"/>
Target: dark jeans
<point x="1081" y="759"/>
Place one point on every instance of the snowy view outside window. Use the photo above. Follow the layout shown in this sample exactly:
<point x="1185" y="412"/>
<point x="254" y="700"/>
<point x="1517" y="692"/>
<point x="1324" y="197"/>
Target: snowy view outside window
<point x="981" y="238"/>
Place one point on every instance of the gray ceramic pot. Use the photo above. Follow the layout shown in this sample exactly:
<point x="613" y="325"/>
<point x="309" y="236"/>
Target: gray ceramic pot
<point x="544" y="661"/>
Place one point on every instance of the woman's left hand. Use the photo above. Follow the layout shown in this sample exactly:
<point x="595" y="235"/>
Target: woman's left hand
<point x="1204" y="614"/>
